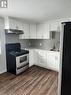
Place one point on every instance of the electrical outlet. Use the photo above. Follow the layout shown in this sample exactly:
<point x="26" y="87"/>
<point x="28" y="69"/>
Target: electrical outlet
<point x="40" y="44"/>
<point x="25" y="48"/>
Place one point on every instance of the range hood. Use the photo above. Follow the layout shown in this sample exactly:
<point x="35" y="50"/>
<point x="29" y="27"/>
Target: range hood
<point x="14" y="31"/>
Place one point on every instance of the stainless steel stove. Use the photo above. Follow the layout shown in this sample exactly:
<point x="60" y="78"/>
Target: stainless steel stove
<point x="17" y="59"/>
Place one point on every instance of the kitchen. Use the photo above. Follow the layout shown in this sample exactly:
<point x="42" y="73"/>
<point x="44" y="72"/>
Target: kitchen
<point x="42" y="47"/>
<point x="40" y="53"/>
<point x="35" y="46"/>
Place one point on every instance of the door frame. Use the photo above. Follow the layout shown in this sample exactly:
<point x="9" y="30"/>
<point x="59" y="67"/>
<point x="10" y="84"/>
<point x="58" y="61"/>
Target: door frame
<point x="61" y="53"/>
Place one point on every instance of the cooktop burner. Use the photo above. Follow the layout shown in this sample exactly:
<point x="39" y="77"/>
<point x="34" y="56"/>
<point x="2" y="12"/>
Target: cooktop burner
<point x="15" y="49"/>
<point x="18" y="53"/>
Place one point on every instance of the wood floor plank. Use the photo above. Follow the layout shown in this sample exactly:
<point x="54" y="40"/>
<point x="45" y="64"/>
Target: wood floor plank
<point x="34" y="81"/>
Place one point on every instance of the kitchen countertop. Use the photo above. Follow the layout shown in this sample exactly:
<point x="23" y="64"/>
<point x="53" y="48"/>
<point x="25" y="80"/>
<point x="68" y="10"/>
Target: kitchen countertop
<point x="30" y="48"/>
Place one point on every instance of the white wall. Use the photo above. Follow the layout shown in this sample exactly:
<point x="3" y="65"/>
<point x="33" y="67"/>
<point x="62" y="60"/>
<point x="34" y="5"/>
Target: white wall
<point x="2" y="55"/>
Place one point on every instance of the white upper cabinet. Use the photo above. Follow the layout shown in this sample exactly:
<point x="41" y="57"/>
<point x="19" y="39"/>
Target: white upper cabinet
<point x="25" y="31"/>
<point x="54" y="26"/>
<point x="39" y="29"/>
<point x="32" y="31"/>
<point x="46" y="32"/>
<point x="11" y="23"/>
<point x="36" y="31"/>
<point x="43" y="31"/>
<point x="14" y="24"/>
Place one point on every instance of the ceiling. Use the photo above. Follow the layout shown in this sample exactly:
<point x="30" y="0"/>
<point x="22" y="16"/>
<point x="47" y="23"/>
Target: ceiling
<point x="37" y="10"/>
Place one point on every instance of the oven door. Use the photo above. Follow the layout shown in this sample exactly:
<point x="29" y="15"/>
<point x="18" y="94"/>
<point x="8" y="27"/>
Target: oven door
<point x="22" y="60"/>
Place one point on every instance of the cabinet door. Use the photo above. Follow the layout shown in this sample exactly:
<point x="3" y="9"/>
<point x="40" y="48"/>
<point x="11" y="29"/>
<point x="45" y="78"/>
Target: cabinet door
<point x="40" y="30"/>
<point x="53" y="61"/>
<point x="36" y="57"/>
<point x="43" y="31"/>
<point x="57" y="61"/>
<point x="50" y="61"/>
<point x="55" y="26"/>
<point x="42" y="58"/>
<point x="31" y="57"/>
<point x="26" y="32"/>
<point x="19" y="25"/>
<point x="15" y="24"/>
<point x="32" y="31"/>
<point x="46" y="32"/>
<point x="12" y="24"/>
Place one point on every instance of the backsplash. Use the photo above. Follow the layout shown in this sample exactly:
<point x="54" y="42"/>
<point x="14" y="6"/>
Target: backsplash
<point x="15" y="39"/>
<point x="33" y="43"/>
<point x="11" y="38"/>
<point x="44" y="44"/>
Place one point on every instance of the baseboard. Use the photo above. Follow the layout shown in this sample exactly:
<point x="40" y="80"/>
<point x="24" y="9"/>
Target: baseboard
<point x="3" y="71"/>
<point x="52" y="69"/>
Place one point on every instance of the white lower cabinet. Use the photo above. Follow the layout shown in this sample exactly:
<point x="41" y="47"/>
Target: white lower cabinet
<point x="53" y="60"/>
<point x="41" y="58"/>
<point x="45" y="59"/>
<point x="31" y="57"/>
<point x="57" y="61"/>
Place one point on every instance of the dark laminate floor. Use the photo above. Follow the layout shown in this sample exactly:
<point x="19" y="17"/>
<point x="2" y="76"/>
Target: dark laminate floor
<point x="35" y="81"/>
